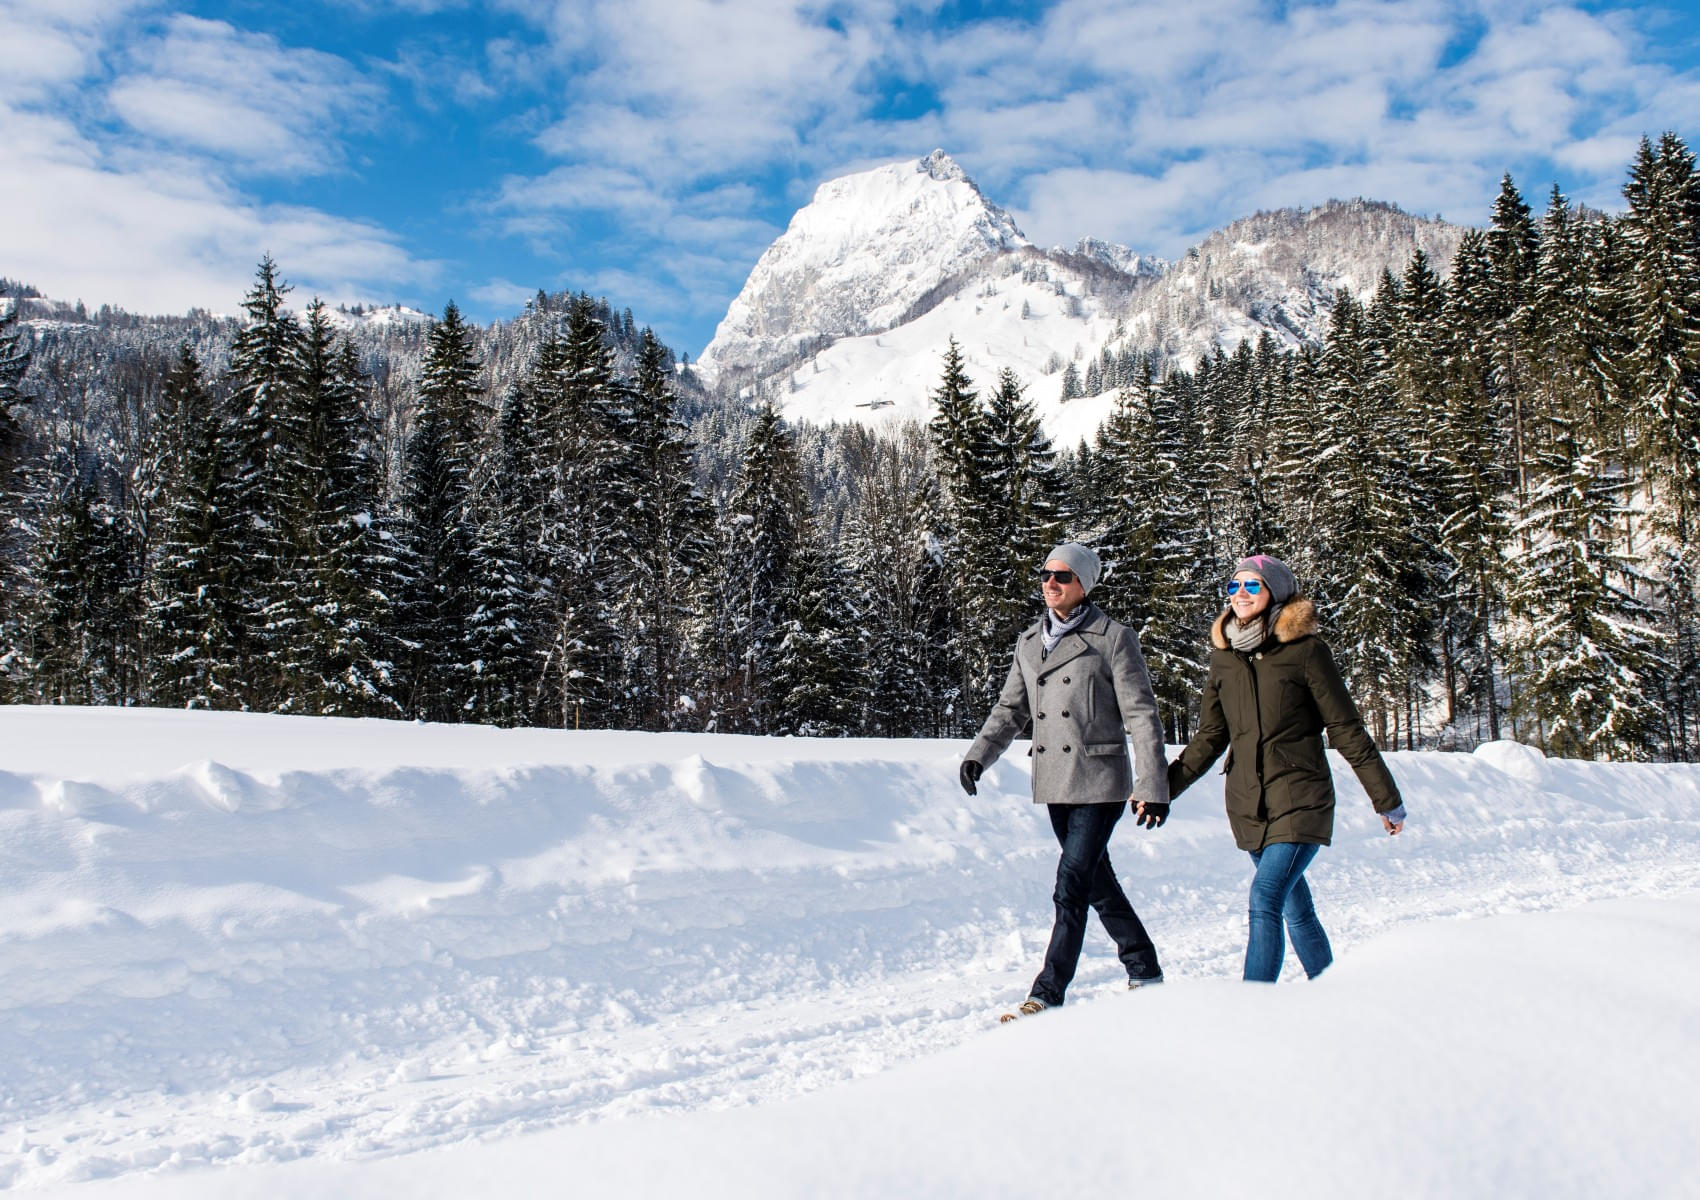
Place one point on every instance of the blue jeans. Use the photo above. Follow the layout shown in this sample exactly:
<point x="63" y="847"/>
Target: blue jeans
<point x="1279" y="895"/>
<point x="1085" y="879"/>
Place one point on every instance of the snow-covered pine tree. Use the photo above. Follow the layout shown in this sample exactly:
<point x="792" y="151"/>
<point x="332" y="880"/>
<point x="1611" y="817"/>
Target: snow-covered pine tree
<point x="892" y="548"/>
<point x="1004" y="538"/>
<point x="1661" y="376"/>
<point x="191" y="605"/>
<point x="14" y="362"/>
<point x="1473" y="463"/>
<point x="434" y="553"/>
<point x="507" y="628"/>
<point x="1514" y="252"/>
<point x="1366" y="583"/>
<point x="1150" y="546"/>
<point x="958" y="434"/>
<point x="1245" y="393"/>
<point x="818" y="675"/>
<point x="1070" y="382"/>
<point x="80" y="608"/>
<point x="328" y="620"/>
<point x="756" y="533"/>
<point x="1414" y="321"/>
<point x="669" y="543"/>
<point x="1585" y="651"/>
<point x="263" y="361"/>
<point x="957" y="430"/>
<point x="588" y="534"/>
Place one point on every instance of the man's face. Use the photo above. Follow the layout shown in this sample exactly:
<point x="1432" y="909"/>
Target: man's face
<point x="1061" y="598"/>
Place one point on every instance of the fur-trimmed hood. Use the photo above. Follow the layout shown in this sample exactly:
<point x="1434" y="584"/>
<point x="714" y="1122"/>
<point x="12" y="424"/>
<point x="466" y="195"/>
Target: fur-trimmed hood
<point x="1297" y="619"/>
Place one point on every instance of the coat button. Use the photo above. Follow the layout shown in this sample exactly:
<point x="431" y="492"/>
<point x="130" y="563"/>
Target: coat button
<point x="1065" y="712"/>
<point x="1066" y="749"/>
<point x="1041" y="683"/>
<point x="1040" y="749"/>
<point x="1042" y="716"/>
<point x="1066" y="679"/>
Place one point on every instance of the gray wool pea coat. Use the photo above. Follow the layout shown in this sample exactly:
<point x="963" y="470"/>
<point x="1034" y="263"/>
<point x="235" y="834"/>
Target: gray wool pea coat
<point x="1086" y="700"/>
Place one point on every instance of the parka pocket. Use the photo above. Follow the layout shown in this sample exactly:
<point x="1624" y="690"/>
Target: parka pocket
<point x="1304" y="758"/>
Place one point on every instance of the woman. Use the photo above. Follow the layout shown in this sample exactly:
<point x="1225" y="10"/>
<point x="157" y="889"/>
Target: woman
<point x="1273" y="688"/>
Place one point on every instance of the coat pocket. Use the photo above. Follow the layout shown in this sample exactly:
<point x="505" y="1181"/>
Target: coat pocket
<point x="1105" y="749"/>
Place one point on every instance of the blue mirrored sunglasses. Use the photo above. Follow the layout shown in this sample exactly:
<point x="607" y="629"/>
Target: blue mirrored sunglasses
<point x="1251" y="586"/>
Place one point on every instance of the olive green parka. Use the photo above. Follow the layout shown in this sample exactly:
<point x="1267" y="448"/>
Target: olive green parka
<point x="1268" y="709"/>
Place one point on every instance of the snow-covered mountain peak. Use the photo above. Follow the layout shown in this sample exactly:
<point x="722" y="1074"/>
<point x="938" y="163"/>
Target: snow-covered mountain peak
<point x="944" y="168"/>
<point x="858" y="259"/>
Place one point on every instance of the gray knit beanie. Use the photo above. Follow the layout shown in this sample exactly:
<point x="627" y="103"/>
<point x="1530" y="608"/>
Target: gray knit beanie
<point x="1082" y="560"/>
<point x="1283" y="586"/>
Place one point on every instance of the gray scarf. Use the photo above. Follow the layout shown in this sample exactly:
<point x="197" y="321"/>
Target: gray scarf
<point x="1251" y="636"/>
<point x="1051" y="631"/>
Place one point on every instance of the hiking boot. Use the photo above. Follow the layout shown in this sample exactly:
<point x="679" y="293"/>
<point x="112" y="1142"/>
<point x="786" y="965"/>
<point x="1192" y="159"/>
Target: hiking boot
<point x="1029" y="1007"/>
<point x="1133" y="985"/>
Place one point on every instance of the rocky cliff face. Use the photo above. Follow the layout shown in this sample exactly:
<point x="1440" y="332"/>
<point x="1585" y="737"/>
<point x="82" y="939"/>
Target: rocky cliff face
<point x="857" y="259"/>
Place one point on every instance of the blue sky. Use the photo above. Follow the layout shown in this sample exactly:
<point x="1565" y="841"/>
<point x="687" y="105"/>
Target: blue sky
<point x="649" y="150"/>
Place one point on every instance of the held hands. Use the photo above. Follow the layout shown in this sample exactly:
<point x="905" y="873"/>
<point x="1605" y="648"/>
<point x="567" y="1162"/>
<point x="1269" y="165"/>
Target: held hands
<point x="1150" y="814"/>
<point x="970" y="776"/>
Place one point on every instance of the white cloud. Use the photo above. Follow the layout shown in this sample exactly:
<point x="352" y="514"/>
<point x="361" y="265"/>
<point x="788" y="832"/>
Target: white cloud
<point x="207" y="86"/>
<point x="165" y="227"/>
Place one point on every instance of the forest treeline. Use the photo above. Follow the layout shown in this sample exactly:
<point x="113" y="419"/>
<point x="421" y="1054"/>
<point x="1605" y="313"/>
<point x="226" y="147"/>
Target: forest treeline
<point x="1487" y="482"/>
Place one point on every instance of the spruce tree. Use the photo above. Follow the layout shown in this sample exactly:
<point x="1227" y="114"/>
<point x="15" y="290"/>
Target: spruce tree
<point x="1661" y="380"/>
<point x="14" y="362"/>
<point x="436" y="534"/>
<point x="192" y="606"/>
<point x="506" y="631"/>
<point x="1586" y="654"/>
<point x="669" y="542"/>
<point x="329" y="617"/>
<point x="817" y="675"/>
<point x="1476" y="480"/>
<point x="588" y="531"/>
<point x="1514" y="252"/>
<point x="263" y="362"/>
<point x="77" y="617"/>
<point x="1005" y="536"/>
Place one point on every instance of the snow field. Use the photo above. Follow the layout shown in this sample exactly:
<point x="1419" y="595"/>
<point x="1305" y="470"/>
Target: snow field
<point x="251" y="939"/>
<point x="1456" y="1059"/>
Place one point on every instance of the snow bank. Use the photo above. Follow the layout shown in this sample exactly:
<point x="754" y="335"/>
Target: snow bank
<point x="231" y="938"/>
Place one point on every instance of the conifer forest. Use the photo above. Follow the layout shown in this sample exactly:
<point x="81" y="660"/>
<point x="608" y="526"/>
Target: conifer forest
<point x="1488" y="481"/>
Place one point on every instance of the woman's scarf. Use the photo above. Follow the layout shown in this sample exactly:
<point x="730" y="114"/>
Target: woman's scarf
<point x="1250" y="636"/>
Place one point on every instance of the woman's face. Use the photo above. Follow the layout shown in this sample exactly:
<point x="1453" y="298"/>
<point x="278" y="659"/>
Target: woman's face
<point x="1245" y="605"/>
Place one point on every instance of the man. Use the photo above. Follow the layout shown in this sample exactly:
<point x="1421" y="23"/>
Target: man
<point x="1080" y="680"/>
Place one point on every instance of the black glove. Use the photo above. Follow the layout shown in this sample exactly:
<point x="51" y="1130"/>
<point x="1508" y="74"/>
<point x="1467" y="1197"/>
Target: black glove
<point x="1151" y="814"/>
<point x="970" y="775"/>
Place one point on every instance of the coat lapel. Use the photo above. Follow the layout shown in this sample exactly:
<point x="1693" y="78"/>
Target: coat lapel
<point x="1071" y="647"/>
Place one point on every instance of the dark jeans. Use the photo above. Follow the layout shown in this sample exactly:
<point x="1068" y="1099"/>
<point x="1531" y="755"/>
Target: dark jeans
<point x="1280" y="897"/>
<point x="1085" y="877"/>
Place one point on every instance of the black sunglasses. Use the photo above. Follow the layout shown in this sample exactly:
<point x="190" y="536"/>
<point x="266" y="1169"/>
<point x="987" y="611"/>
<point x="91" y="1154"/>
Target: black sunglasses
<point x="1063" y="577"/>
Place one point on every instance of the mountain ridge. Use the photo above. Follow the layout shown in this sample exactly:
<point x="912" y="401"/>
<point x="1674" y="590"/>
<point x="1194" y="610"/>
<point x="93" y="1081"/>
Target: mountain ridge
<point x="825" y="351"/>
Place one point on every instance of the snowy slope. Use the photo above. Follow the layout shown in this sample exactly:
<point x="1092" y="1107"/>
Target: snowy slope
<point x="234" y="939"/>
<point x="1012" y="319"/>
<point x="846" y="315"/>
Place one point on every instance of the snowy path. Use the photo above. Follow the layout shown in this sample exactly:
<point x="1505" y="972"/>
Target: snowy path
<point x="250" y="939"/>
